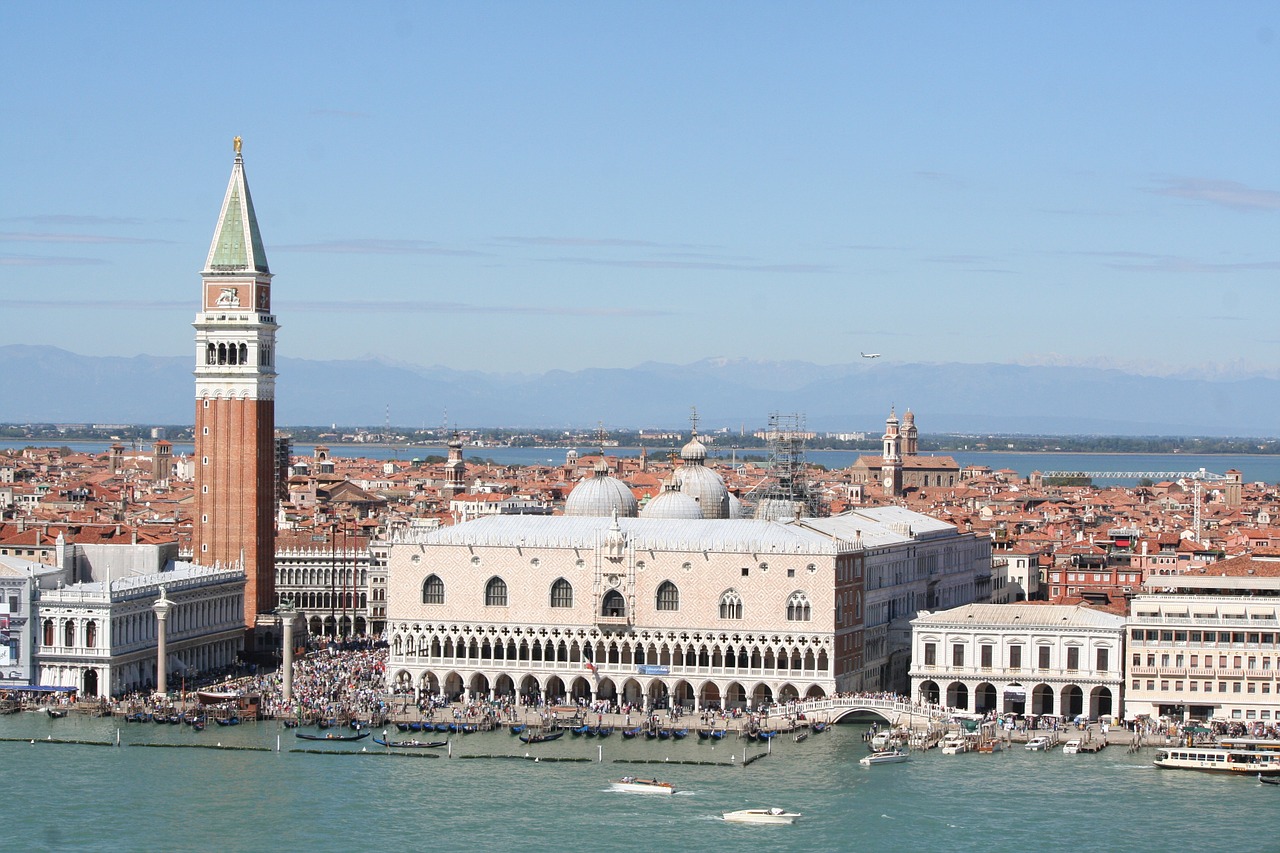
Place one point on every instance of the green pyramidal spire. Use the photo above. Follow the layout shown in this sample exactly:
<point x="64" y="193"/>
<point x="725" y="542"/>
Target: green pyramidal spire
<point x="237" y="245"/>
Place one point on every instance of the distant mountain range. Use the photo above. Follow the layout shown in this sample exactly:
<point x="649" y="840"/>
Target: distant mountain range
<point x="48" y="384"/>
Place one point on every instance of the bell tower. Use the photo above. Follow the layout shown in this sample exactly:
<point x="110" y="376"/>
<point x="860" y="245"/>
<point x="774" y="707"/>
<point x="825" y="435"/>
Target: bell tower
<point x="891" y="470"/>
<point x="235" y="373"/>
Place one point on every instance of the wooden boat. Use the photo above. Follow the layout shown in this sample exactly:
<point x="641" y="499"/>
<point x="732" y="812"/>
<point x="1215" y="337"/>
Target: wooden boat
<point x="630" y="733"/>
<point x="415" y="726"/>
<point x="632" y="785"/>
<point x="290" y="724"/>
<point x="469" y="728"/>
<point x="578" y="731"/>
<point x="1269" y="780"/>
<point x="197" y="726"/>
<point x="773" y="816"/>
<point x="704" y="734"/>
<point x="679" y="734"/>
<point x="650" y="734"/>
<point x="411" y="744"/>
<point x="230" y="721"/>
<point x="818" y="728"/>
<point x="664" y="734"/>
<point x="802" y="737"/>
<point x="605" y="731"/>
<point x="331" y="736"/>
<point x="542" y="738"/>
<point x="516" y="729"/>
<point x="56" y="714"/>
<point x="766" y="734"/>
<point x="717" y="734"/>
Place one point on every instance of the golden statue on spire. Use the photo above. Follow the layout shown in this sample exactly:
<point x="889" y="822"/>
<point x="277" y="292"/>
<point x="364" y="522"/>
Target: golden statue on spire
<point x="236" y="143"/>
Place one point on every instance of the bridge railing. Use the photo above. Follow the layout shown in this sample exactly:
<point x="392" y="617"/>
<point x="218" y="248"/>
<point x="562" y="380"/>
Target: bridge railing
<point x="897" y="706"/>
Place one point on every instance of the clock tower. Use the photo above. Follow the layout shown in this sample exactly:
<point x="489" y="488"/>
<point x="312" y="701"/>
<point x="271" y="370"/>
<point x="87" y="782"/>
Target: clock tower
<point x="234" y="520"/>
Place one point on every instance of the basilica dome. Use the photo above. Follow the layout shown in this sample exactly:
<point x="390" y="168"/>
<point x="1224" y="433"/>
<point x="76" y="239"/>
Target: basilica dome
<point x="671" y="503"/>
<point x="601" y="496"/>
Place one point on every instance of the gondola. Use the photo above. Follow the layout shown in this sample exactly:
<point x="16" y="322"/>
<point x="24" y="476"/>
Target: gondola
<point x="331" y="736"/>
<point x="704" y="734"/>
<point x="1269" y="780"/>
<point x="537" y="738"/>
<point x="404" y="727"/>
<point x="469" y="728"/>
<point x="630" y="733"/>
<point x="290" y="724"/>
<point x="197" y="726"/>
<point x="230" y="721"/>
<point x="517" y="729"/>
<point x="819" y="728"/>
<point x="411" y="744"/>
<point x="605" y="731"/>
<point x="650" y="734"/>
<point x="767" y="734"/>
<point x="802" y="737"/>
<point x="578" y="731"/>
<point x="679" y="734"/>
<point x="717" y="734"/>
<point x="56" y="714"/>
<point x="664" y="734"/>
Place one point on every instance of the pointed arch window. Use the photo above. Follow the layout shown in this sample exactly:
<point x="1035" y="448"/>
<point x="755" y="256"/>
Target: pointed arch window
<point x="561" y="593"/>
<point x="731" y="605"/>
<point x="495" y="593"/>
<point x="668" y="597"/>
<point x="613" y="604"/>
<point x="798" y="608"/>
<point x="433" y="590"/>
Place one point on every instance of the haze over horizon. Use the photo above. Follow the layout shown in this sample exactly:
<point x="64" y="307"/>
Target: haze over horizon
<point x="510" y="188"/>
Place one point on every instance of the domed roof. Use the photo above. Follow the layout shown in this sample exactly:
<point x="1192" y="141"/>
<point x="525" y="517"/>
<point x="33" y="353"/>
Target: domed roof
<point x="704" y="486"/>
<point x="601" y="496"/>
<point x="736" y="509"/>
<point x="694" y="451"/>
<point x="671" y="503"/>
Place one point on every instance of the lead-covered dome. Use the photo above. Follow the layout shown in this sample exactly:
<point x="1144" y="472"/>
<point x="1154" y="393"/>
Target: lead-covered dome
<point x="671" y="503"/>
<point x="601" y="496"/>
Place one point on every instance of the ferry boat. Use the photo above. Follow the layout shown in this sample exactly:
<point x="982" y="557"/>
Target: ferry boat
<point x="632" y="785"/>
<point x="1249" y="762"/>
<point x="774" y="816"/>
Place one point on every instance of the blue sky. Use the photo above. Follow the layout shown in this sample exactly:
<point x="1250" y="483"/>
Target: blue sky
<point x="531" y="186"/>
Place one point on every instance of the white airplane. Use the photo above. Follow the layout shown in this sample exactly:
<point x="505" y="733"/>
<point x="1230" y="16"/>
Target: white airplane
<point x="870" y="354"/>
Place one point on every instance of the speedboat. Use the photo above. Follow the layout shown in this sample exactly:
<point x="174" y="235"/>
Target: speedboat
<point x="632" y="785"/>
<point x="1071" y="747"/>
<point x="954" y="745"/>
<point x="774" y="815"/>
<point x="888" y="756"/>
<point x="1038" y="743"/>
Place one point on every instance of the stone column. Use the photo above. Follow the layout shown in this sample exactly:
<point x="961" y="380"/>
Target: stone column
<point x="161" y="608"/>
<point x="286" y="666"/>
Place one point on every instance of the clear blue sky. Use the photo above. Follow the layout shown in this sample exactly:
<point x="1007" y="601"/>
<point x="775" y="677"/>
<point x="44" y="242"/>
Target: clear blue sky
<point x="528" y="186"/>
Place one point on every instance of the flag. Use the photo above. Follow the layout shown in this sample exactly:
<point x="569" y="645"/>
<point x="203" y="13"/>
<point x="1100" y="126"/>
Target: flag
<point x="586" y="657"/>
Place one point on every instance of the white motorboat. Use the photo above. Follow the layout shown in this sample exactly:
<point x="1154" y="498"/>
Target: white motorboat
<point x="1038" y="743"/>
<point x="954" y="745"/>
<point x="1071" y="747"/>
<point x="774" y="815"/>
<point x="632" y="785"/>
<point x="880" y="741"/>
<point x="890" y="756"/>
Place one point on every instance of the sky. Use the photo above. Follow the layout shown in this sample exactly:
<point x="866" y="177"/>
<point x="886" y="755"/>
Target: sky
<point x="523" y="187"/>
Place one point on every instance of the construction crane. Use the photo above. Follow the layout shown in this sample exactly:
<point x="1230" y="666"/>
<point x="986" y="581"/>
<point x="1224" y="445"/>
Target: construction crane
<point x="1197" y="478"/>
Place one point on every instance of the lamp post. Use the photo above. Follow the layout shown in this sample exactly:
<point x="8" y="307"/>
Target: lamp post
<point x="161" y="608"/>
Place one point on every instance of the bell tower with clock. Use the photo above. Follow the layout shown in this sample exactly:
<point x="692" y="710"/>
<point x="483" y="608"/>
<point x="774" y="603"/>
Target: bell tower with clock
<point x="234" y="521"/>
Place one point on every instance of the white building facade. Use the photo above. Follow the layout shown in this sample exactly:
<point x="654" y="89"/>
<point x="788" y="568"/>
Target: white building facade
<point x="1029" y="659"/>
<point x="101" y="638"/>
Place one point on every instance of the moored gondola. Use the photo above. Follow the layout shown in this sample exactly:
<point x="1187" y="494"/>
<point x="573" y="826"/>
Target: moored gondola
<point x="534" y="737"/>
<point x="331" y="736"/>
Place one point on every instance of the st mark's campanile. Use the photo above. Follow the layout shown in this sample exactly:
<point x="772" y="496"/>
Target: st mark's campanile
<point x="235" y="404"/>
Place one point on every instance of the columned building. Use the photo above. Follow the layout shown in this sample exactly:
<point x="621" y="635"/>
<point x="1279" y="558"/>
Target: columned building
<point x="235" y="406"/>
<point x="727" y="613"/>
<point x="1030" y="659"/>
<point x="101" y="638"/>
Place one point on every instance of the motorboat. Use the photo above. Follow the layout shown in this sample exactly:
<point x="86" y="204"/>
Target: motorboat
<point x="1218" y="759"/>
<point x="774" y="815"/>
<point x="632" y="785"/>
<point x="954" y="745"/>
<point x="880" y="741"/>
<point x="1039" y="743"/>
<point x="888" y="756"/>
<point x="1071" y="747"/>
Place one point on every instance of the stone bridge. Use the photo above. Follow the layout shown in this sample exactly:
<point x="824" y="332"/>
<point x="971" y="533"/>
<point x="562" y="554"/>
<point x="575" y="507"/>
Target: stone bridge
<point x="894" y="711"/>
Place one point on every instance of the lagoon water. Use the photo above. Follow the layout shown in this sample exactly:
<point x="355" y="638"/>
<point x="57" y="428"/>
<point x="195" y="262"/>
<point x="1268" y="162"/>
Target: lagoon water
<point x="1255" y="467"/>
<point x="73" y="797"/>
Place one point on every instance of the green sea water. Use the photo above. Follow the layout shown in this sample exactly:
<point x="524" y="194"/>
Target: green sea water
<point x="80" y="797"/>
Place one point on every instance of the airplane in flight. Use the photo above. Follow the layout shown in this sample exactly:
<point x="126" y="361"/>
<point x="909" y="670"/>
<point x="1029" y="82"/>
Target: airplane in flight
<point x="870" y="354"/>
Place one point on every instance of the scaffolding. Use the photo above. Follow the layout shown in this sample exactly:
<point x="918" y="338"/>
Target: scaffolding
<point x="787" y="493"/>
